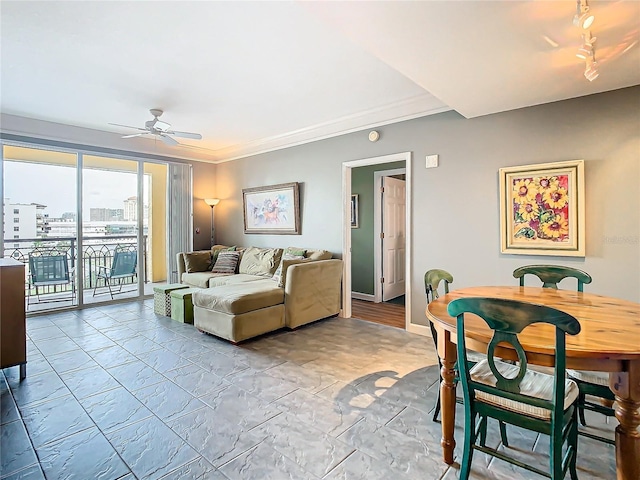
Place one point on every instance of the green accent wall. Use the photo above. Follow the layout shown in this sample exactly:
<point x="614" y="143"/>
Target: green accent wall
<point x="362" y="238"/>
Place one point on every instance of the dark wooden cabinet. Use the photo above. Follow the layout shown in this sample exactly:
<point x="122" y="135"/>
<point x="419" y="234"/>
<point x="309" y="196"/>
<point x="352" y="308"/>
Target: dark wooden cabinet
<point x="13" y="329"/>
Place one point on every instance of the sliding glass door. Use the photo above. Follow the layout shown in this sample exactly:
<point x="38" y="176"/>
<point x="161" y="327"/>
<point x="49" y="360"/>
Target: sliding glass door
<point x="92" y="228"/>
<point x="40" y="228"/>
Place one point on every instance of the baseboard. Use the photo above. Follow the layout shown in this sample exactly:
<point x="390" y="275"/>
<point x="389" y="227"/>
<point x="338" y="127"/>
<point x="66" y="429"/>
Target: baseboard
<point x="363" y="296"/>
<point x="419" y="329"/>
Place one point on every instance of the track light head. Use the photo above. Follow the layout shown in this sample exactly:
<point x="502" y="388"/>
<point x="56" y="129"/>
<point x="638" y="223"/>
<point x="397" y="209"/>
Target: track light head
<point x="591" y="72"/>
<point x="583" y="18"/>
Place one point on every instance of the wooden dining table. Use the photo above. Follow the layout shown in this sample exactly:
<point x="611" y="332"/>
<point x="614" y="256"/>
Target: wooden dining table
<point x="609" y="341"/>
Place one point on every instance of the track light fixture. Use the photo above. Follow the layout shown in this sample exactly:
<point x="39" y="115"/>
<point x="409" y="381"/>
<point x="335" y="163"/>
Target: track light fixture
<point x="586" y="49"/>
<point x="591" y="68"/>
<point x="584" y="19"/>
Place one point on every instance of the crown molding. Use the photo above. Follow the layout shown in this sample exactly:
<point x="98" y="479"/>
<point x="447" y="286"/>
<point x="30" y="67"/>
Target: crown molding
<point x="414" y="107"/>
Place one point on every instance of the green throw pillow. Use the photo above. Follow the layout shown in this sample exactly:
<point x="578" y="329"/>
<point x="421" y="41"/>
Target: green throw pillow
<point x="295" y="251"/>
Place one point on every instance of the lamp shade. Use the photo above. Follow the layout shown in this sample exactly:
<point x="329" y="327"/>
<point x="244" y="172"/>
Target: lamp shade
<point x="212" y="202"/>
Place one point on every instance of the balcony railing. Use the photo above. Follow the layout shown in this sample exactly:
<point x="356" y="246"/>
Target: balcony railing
<point x="97" y="251"/>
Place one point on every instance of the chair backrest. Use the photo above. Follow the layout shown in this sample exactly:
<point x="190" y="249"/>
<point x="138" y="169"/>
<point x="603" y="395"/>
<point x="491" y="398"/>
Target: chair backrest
<point x="550" y="275"/>
<point x="49" y="269"/>
<point x="124" y="264"/>
<point x="507" y="318"/>
<point x="432" y="280"/>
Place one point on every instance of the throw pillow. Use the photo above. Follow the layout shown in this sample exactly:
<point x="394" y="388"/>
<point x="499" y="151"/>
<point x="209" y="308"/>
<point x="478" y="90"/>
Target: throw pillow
<point x="260" y="261"/>
<point x="226" y="262"/>
<point x="215" y="251"/>
<point x="295" y="251"/>
<point x="197" y="261"/>
<point x="279" y="275"/>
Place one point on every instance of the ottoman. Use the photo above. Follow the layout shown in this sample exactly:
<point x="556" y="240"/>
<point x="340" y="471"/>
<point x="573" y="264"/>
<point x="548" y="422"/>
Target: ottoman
<point x="238" y="312"/>
<point x="162" y="297"/>
<point x="182" y="305"/>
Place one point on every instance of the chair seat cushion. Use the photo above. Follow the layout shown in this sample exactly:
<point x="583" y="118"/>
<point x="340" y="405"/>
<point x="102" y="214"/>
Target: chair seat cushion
<point x="534" y="384"/>
<point x="597" y="378"/>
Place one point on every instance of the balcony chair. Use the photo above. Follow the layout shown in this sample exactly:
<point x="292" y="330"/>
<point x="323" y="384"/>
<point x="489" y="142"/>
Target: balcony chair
<point x="50" y="270"/>
<point x="513" y="393"/>
<point x="595" y="384"/>
<point x="124" y="266"/>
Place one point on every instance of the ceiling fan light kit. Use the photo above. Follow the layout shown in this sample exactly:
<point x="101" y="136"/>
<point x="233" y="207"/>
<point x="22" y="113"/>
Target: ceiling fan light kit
<point x="583" y="19"/>
<point x="159" y="129"/>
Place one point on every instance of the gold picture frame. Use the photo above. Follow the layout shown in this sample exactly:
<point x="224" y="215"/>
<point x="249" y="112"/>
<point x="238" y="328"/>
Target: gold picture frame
<point x="274" y="209"/>
<point x="542" y="209"/>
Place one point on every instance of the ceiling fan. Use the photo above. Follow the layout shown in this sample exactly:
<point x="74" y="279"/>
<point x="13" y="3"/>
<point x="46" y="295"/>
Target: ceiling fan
<point x="161" y="129"/>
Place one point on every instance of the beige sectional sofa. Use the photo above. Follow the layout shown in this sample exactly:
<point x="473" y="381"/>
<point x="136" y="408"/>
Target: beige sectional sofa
<point x="250" y="302"/>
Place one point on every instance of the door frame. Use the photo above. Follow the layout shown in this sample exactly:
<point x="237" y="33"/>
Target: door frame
<point x="377" y="227"/>
<point x="346" y="227"/>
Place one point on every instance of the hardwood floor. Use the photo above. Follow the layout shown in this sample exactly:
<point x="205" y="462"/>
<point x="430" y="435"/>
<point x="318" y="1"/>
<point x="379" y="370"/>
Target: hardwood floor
<point x="383" y="313"/>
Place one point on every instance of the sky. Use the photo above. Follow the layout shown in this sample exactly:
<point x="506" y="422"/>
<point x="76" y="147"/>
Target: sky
<point x="55" y="187"/>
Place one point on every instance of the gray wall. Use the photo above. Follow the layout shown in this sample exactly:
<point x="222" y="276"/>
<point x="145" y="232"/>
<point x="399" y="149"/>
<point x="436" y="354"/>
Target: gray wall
<point x="362" y="238"/>
<point x="455" y="206"/>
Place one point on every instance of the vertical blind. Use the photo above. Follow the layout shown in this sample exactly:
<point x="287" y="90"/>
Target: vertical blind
<point x="179" y="215"/>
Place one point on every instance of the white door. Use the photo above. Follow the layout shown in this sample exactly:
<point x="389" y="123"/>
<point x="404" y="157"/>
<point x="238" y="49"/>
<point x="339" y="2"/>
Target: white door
<point x="393" y="237"/>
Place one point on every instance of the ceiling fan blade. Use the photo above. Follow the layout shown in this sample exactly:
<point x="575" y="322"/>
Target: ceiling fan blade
<point x="168" y="140"/>
<point x="136" y="135"/>
<point x="195" y="136"/>
<point x="127" y="126"/>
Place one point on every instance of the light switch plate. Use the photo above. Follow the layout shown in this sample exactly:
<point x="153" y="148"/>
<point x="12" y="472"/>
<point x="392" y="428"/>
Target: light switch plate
<point x="431" y="161"/>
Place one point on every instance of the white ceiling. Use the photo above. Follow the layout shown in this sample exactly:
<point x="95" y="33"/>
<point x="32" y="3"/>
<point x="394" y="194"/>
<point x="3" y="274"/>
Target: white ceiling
<point x="257" y="76"/>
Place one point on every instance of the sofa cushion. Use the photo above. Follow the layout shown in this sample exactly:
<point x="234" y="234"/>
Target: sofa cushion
<point x="282" y="281"/>
<point x="197" y="262"/>
<point x="277" y="276"/>
<point x="238" y="299"/>
<point x="197" y="279"/>
<point x="260" y="261"/>
<point x="226" y="262"/>
<point x="217" y="279"/>
<point x="318" y="255"/>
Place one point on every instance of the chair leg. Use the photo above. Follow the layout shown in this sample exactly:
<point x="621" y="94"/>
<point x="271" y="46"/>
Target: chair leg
<point x="582" y="398"/>
<point x="436" y="410"/>
<point x="467" y="452"/>
<point x="573" y="443"/>
<point x="503" y="433"/>
<point x="109" y="285"/>
<point x="555" y="455"/>
<point x="483" y="431"/>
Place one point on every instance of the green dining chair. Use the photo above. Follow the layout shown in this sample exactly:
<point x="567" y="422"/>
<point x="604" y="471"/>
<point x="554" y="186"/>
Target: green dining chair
<point x="513" y="393"/>
<point x="432" y="280"/>
<point x="550" y="275"/>
<point x="594" y="384"/>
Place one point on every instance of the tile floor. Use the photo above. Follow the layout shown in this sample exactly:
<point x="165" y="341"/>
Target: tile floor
<point x="118" y="392"/>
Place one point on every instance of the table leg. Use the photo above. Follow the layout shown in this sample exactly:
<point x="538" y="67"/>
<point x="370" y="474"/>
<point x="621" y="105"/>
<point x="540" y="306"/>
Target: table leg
<point x="447" y="353"/>
<point x="626" y="387"/>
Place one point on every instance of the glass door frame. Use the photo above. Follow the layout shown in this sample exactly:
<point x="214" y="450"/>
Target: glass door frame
<point x="80" y="151"/>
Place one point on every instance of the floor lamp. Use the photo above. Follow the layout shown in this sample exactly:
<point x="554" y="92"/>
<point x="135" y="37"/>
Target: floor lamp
<point x="212" y="202"/>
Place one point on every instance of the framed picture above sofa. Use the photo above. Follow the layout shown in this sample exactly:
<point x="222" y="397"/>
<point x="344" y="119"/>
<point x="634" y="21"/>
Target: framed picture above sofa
<point x="274" y="209"/>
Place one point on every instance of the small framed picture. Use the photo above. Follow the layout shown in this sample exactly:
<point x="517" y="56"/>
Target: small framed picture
<point x="354" y="211"/>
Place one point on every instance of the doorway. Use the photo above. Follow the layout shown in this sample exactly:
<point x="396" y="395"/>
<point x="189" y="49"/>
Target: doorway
<point x="347" y="230"/>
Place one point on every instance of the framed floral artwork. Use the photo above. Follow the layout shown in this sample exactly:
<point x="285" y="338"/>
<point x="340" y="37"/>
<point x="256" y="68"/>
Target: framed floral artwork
<point x="542" y="209"/>
<point x="273" y="210"/>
